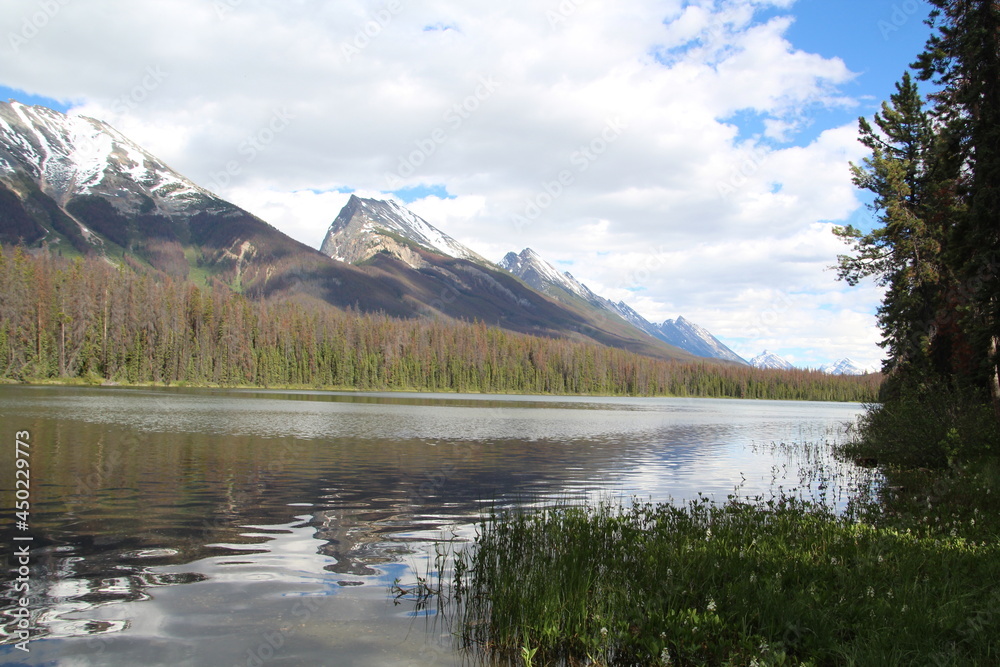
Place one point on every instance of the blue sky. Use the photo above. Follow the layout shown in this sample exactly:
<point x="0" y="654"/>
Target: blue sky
<point x="27" y="98"/>
<point x="688" y="157"/>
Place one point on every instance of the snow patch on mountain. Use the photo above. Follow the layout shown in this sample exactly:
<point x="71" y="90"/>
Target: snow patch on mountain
<point x="845" y="367"/>
<point x="771" y="361"/>
<point x="697" y="340"/>
<point x="76" y="155"/>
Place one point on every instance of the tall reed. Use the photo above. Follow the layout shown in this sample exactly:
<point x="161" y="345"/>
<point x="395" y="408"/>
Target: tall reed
<point x="781" y="580"/>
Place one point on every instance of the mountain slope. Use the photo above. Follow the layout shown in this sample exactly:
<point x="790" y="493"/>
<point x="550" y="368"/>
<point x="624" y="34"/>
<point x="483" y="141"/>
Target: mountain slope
<point x="697" y="340"/>
<point x="78" y="187"/>
<point x="530" y="267"/>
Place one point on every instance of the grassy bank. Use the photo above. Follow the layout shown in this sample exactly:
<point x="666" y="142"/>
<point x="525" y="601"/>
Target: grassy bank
<point x="910" y="577"/>
<point x="98" y="381"/>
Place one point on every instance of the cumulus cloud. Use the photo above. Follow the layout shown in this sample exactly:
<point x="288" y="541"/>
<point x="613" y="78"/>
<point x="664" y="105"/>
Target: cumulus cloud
<point x="600" y="134"/>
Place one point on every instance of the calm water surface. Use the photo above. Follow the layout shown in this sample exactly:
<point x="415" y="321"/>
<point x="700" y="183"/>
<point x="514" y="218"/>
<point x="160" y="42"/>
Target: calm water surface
<point x="209" y="527"/>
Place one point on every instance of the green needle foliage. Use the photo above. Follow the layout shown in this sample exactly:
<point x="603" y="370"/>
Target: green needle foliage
<point x="934" y="173"/>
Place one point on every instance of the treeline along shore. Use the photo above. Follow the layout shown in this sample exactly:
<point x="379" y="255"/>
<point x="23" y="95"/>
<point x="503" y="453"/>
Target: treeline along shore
<point x="86" y="320"/>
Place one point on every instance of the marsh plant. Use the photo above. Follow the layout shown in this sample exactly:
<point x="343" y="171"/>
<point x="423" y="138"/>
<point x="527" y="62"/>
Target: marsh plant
<point x="802" y="576"/>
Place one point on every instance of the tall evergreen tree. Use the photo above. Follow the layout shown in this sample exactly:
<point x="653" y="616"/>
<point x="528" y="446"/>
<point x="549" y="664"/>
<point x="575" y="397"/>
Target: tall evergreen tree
<point x="936" y="179"/>
<point x="904" y="253"/>
<point x="963" y="59"/>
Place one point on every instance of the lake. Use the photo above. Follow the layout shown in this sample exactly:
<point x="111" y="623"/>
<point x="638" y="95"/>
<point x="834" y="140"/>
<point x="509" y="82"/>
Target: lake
<point x="250" y="527"/>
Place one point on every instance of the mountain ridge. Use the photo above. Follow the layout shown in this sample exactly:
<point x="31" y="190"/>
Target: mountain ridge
<point x="543" y="276"/>
<point x="381" y="233"/>
<point x="78" y="187"/>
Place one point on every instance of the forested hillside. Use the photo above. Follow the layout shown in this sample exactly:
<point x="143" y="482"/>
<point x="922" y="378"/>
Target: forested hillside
<point x="92" y="321"/>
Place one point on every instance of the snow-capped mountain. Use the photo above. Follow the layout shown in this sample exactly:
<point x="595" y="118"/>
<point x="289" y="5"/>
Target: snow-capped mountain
<point x="530" y="267"/>
<point x="365" y="227"/>
<point x="844" y="367"/>
<point x="697" y="340"/>
<point x="72" y="156"/>
<point x="78" y="187"/>
<point x="540" y="275"/>
<point x="770" y="360"/>
<point x="76" y="183"/>
<point x="637" y="320"/>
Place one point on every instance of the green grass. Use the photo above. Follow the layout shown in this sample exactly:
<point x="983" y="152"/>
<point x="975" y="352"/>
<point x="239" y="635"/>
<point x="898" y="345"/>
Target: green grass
<point x="198" y="273"/>
<point x="783" y="582"/>
<point x="909" y="574"/>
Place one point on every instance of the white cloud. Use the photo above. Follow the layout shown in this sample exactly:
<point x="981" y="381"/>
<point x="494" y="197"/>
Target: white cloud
<point x="496" y="102"/>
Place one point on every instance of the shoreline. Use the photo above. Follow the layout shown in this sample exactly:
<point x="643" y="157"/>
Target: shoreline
<point x="82" y="382"/>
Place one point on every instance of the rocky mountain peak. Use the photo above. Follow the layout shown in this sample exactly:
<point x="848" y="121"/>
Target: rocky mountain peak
<point x="70" y="156"/>
<point x="770" y="360"/>
<point x="844" y="367"/>
<point x="365" y="227"/>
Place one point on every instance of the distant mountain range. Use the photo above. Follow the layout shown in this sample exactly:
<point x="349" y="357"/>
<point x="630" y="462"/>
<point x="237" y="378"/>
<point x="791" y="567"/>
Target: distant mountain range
<point x="77" y="186"/>
<point x="843" y="367"/>
<point x="372" y="231"/>
<point x="542" y="276"/>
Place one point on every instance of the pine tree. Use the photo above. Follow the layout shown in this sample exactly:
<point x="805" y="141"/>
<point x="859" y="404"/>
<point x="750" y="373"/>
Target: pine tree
<point x="963" y="59"/>
<point x="905" y="253"/>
